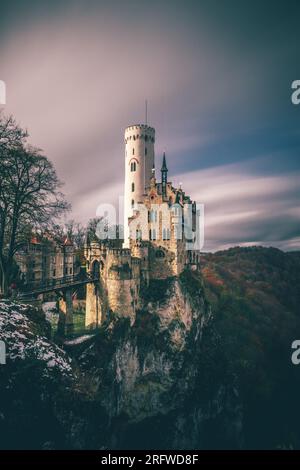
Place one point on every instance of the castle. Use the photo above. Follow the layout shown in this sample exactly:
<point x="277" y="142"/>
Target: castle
<point x="159" y="223"/>
<point x="44" y="258"/>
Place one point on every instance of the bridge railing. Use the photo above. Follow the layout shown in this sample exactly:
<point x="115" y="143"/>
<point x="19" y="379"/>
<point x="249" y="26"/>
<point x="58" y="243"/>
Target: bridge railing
<point x="56" y="282"/>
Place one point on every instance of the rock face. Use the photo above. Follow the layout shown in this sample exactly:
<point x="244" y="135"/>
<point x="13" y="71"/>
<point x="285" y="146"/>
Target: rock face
<point x="160" y="383"/>
<point x="151" y="378"/>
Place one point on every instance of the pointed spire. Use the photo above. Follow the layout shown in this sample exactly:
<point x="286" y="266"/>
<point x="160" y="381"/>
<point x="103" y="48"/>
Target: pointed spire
<point x="164" y="164"/>
<point x="164" y="176"/>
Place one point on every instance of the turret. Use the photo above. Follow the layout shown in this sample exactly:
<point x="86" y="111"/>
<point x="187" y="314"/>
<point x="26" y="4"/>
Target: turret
<point x="139" y="161"/>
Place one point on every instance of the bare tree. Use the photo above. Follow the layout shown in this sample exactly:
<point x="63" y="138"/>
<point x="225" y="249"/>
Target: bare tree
<point x="30" y="196"/>
<point x="76" y="232"/>
<point x="11" y="134"/>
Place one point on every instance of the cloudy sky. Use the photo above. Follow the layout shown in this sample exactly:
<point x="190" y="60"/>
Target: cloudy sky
<point x="217" y="77"/>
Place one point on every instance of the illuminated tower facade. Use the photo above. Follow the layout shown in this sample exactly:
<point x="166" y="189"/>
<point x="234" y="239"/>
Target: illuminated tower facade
<point x="139" y="162"/>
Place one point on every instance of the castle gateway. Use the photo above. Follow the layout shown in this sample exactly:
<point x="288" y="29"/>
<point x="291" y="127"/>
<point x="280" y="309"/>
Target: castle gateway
<point x="160" y="224"/>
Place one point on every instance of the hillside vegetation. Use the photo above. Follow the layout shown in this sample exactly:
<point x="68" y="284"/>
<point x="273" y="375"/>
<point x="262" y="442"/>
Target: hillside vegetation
<point x="255" y="297"/>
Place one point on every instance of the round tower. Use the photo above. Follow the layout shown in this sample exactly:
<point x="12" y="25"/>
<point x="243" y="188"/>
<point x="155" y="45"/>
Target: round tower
<point x="139" y="162"/>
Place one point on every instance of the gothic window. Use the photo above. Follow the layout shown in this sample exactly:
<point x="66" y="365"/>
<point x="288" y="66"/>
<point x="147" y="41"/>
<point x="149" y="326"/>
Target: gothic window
<point x="132" y="187"/>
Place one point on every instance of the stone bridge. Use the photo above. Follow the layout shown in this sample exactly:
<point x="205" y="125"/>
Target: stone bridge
<point x="63" y="287"/>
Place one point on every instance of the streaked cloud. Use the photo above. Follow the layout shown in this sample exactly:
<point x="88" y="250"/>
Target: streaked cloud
<point x="243" y="208"/>
<point x="77" y="73"/>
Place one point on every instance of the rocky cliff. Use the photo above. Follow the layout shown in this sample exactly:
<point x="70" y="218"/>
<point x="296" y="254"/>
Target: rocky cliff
<point x="153" y="379"/>
<point x="161" y="383"/>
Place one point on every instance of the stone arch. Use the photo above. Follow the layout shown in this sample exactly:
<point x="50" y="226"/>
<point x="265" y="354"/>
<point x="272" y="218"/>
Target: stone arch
<point x="95" y="268"/>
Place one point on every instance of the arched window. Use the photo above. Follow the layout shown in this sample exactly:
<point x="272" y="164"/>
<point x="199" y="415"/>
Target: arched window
<point x="95" y="269"/>
<point x="132" y="187"/>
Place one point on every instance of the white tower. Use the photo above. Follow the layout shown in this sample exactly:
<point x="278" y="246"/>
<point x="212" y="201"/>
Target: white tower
<point x="139" y="161"/>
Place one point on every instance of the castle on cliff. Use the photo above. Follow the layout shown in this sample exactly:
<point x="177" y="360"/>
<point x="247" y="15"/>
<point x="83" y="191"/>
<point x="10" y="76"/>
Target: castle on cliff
<point x="160" y="224"/>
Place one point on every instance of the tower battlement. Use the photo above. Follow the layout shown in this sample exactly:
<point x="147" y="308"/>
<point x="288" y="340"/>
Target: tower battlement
<point x="140" y="131"/>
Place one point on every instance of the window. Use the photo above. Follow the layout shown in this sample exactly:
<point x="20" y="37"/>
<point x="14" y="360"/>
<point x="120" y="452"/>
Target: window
<point x="54" y="272"/>
<point x="145" y="150"/>
<point x="132" y="203"/>
<point x="153" y="216"/>
<point x="133" y="151"/>
<point x="152" y="234"/>
<point x="138" y="234"/>
<point x="133" y="166"/>
<point x="132" y="187"/>
<point x="166" y="234"/>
